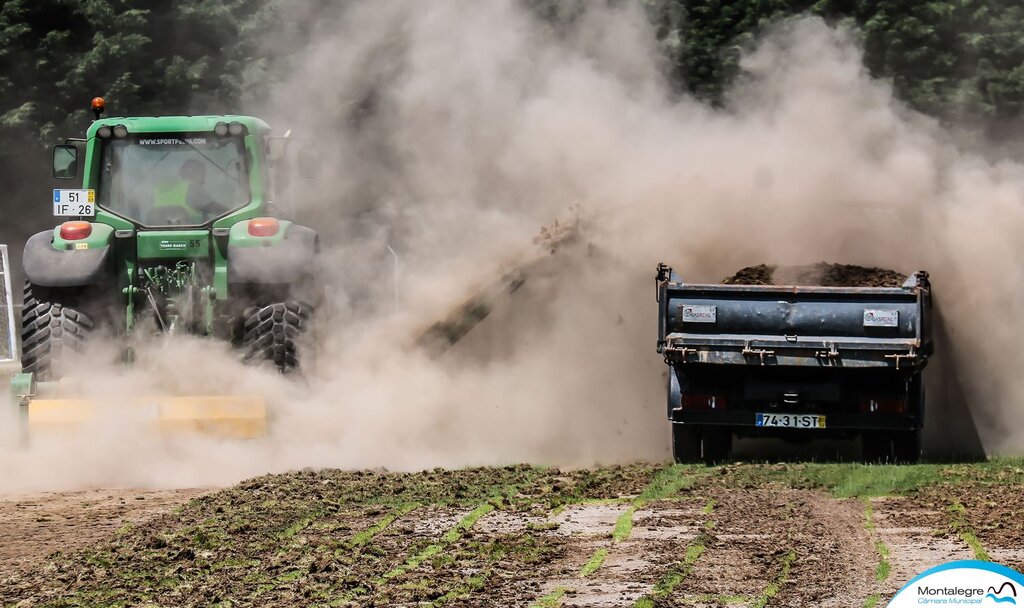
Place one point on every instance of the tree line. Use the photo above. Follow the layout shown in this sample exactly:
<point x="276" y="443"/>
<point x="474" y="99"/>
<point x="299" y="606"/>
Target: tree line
<point x="961" y="61"/>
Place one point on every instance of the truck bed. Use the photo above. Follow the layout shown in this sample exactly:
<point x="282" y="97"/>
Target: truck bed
<point x="775" y="325"/>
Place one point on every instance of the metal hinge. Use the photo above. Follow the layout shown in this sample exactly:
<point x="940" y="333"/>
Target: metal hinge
<point x="830" y="354"/>
<point x="757" y="352"/>
<point x="912" y="355"/>
<point x="677" y="354"/>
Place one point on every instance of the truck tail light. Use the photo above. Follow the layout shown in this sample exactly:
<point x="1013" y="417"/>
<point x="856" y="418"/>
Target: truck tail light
<point x="885" y="404"/>
<point x="75" y="231"/>
<point x="703" y="401"/>
<point x="264" y="226"/>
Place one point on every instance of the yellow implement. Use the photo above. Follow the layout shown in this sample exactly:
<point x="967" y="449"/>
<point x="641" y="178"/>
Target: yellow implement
<point x="228" y="417"/>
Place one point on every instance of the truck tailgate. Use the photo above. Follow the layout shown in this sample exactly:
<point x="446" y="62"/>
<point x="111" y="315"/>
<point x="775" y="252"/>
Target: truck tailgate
<point x="785" y="325"/>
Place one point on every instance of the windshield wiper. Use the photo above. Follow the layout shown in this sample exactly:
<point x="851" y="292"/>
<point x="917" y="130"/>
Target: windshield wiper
<point x="148" y="172"/>
<point x="237" y="178"/>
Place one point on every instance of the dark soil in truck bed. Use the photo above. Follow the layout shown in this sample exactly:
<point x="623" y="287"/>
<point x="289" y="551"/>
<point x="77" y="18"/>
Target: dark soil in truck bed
<point x="822" y="273"/>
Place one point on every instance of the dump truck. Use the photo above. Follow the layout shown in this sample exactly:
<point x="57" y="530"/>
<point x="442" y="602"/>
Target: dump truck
<point x="795" y="363"/>
<point x="169" y="225"/>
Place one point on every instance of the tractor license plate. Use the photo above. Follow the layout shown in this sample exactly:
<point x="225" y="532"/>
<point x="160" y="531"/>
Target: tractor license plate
<point x="72" y="203"/>
<point x="791" y="421"/>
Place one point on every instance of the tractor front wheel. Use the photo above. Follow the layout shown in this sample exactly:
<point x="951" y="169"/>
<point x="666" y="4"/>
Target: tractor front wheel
<point x="51" y="325"/>
<point x="273" y="332"/>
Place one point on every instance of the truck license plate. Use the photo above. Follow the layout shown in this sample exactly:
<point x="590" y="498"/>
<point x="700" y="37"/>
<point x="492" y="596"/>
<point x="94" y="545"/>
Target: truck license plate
<point x="70" y="203"/>
<point x="791" y="421"/>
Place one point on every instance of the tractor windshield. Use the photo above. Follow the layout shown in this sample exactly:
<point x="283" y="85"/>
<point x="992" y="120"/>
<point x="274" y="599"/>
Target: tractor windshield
<point x="173" y="179"/>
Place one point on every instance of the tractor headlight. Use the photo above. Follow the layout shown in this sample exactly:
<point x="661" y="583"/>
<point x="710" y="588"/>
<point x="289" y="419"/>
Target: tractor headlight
<point x="120" y="131"/>
<point x="236" y="128"/>
<point x="103" y="132"/>
<point x="221" y="128"/>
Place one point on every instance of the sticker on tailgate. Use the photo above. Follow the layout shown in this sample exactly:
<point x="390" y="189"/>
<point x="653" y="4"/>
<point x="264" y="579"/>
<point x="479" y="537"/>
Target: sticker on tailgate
<point x="696" y="313"/>
<point x="881" y="318"/>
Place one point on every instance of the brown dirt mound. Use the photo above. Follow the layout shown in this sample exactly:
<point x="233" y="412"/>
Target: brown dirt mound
<point x="822" y="273"/>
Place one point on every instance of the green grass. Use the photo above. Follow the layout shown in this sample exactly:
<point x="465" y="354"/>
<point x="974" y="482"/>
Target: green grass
<point x="665" y="586"/>
<point x="719" y="598"/>
<point x="593" y="563"/>
<point x="883" y="567"/>
<point x="667" y="482"/>
<point x="696" y="547"/>
<point x="844" y="480"/>
<point x="624" y="524"/>
<point x="362" y="538"/>
<point x="433" y="549"/>
<point x="551" y="600"/>
<point x="960" y="525"/>
<point x="773" y="588"/>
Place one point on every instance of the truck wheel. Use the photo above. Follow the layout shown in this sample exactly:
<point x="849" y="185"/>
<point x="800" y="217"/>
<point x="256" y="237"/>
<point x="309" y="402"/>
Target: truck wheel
<point x="906" y="446"/>
<point x="272" y="333"/>
<point x="717" y="444"/>
<point x="876" y="446"/>
<point x="685" y="443"/>
<point x="51" y="325"/>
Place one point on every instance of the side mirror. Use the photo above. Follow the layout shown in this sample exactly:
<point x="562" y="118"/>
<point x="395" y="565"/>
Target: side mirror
<point x="65" y="161"/>
<point x="309" y="164"/>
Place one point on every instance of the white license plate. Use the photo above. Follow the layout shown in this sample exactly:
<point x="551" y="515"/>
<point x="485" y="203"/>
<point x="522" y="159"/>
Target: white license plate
<point x="71" y="203"/>
<point x="791" y="421"/>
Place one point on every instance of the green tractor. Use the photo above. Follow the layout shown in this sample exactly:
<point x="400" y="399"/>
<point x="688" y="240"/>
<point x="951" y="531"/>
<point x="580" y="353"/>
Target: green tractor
<point x="172" y="230"/>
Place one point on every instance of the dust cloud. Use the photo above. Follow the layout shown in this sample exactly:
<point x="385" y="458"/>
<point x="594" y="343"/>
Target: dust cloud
<point x="452" y="131"/>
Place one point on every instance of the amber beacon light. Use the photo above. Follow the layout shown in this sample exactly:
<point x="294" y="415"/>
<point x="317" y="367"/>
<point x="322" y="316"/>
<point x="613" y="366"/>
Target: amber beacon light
<point x="98" y="105"/>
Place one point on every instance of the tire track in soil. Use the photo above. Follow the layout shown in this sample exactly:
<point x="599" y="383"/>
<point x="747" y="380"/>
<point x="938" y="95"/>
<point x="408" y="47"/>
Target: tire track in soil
<point x="918" y="538"/>
<point x="297" y="574"/>
<point x="782" y="548"/>
<point x="620" y="550"/>
<point x="339" y="540"/>
<point x="397" y="550"/>
<point x="995" y="514"/>
<point x="835" y="556"/>
<point x="631" y="568"/>
<point x="740" y="557"/>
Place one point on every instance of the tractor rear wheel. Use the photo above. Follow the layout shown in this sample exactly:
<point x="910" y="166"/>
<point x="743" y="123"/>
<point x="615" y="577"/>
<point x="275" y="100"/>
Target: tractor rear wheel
<point x="273" y="333"/>
<point x="52" y="324"/>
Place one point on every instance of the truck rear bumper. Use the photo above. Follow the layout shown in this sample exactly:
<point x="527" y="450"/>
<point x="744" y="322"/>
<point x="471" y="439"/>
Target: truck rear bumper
<point x="839" y="421"/>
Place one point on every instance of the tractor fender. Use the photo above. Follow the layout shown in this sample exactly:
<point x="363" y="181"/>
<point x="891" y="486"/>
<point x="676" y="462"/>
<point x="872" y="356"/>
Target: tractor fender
<point x="47" y="265"/>
<point x="284" y="258"/>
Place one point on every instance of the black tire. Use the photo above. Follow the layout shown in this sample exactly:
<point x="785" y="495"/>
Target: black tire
<point x="685" y="443"/>
<point x="717" y="442"/>
<point x="876" y="446"/>
<point x="696" y="443"/>
<point x="906" y="446"/>
<point x="273" y="333"/>
<point x="52" y="327"/>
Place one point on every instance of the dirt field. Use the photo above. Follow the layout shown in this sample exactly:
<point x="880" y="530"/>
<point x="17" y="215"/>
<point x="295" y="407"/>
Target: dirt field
<point x="738" y="535"/>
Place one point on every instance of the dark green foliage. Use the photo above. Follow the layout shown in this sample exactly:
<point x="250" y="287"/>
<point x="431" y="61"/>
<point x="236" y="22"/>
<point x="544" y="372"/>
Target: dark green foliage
<point x="143" y="56"/>
<point x="962" y="61"/>
<point x="157" y="56"/>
